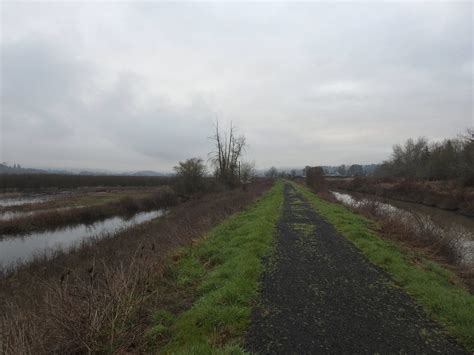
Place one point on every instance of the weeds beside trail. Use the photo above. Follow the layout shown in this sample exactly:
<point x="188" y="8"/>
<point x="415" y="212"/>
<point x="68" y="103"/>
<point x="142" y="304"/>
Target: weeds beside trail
<point x="436" y="288"/>
<point x="220" y="274"/>
<point x="320" y="295"/>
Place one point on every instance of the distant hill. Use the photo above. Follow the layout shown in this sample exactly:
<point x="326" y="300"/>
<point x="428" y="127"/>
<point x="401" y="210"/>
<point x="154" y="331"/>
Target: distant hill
<point x="147" y="173"/>
<point x="5" y="170"/>
<point x="17" y="169"/>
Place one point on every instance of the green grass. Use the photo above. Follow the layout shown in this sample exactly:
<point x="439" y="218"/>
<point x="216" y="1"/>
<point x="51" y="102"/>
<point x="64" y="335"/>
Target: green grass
<point x="429" y="283"/>
<point x="223" y="270"/>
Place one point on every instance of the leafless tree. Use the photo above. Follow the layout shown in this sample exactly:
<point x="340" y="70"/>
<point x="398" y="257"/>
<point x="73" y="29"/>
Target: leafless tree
<point x="227" y="154"/>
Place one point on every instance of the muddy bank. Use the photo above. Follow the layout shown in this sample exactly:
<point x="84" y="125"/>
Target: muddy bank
<point x="442" y="195"/>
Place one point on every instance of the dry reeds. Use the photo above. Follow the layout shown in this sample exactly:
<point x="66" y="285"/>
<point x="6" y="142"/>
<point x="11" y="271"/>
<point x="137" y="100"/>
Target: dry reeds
<point x="98" y="297"/>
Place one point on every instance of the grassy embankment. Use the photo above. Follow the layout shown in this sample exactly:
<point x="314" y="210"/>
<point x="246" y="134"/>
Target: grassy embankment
<point x="99" y="297"/>
<point x="433" y="286"/>
<point x="220" y="274"/>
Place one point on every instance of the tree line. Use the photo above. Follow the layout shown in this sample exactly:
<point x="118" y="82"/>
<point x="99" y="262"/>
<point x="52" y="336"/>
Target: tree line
<point x="448" y="159"/>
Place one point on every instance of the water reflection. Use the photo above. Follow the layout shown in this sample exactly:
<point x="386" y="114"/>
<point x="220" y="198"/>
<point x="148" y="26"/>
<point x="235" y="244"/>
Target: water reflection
<point x="20" y="249"/>
<point x="6" y="215"/>
<point x="443" y="224"/>
<point x="17" y="201"/>
<point x="14" y="214"/>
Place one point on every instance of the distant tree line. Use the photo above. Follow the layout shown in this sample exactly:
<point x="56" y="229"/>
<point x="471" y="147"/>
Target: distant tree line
<point x="351" y="170"/>
<point x="38" y="181"/>
<point x="449" y="159"/>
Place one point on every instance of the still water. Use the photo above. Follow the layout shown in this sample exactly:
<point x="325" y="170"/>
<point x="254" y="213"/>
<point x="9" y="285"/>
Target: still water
<point x="7" y="215"/>
<point x="445" y="224"/>
<point x="442" y="218"/>
<point x="15" y="250"/>
<point x="17" y="201"/>
<point x="14" y="214"/>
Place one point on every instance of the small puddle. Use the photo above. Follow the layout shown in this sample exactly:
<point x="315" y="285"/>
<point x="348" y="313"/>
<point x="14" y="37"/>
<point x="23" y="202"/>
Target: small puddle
<point x="15" y="250"/>
<point x="449" y="227"/>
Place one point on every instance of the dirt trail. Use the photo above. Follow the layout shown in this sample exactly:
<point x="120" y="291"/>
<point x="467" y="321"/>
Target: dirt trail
<point x="321" y="295"/>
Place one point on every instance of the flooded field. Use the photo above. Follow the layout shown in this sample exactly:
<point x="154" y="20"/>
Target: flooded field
<point x="14" y="214"/>
<point x="445" y="224"/>
<point x="23" y="200"/>
<point x="6" y="215"/>
<point x="15" y="250"/>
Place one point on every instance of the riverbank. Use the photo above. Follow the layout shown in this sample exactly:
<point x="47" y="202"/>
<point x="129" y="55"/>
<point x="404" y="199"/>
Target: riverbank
<point x="96" y="298"/>
<point x="441" y="194"/>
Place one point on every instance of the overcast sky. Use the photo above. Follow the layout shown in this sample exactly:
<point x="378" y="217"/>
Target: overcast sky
<point x="131" y="86"/>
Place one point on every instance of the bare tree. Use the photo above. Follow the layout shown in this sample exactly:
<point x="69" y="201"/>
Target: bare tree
<point x="226" y="155"/>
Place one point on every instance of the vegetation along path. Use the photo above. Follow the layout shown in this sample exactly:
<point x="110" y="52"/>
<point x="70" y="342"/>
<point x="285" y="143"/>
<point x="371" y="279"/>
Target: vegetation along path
<point x="321" y="295"/>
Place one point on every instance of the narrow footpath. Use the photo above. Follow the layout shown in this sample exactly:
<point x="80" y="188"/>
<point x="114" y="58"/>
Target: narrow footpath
<point x="321" y="295"/>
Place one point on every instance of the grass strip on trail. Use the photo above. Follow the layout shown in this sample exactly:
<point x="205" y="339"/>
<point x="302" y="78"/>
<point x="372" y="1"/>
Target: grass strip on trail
<point x="429" y="283"/>
<point x="223" y="269"/>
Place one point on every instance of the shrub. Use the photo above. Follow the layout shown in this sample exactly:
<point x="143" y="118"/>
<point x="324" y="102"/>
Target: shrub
<point x="190" y="174"/>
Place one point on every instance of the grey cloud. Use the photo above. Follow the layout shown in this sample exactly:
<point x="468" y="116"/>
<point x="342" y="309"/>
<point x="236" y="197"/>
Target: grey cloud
<point x="43" y="90"/>
<point x="139" y="85"/>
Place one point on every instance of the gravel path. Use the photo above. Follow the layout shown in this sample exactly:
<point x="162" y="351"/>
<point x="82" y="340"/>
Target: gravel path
<point x="320" y="295"/>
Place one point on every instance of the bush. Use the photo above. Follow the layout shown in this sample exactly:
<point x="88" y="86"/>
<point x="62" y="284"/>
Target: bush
<point x="315" y="178"/>
<point x="190" y="174"/>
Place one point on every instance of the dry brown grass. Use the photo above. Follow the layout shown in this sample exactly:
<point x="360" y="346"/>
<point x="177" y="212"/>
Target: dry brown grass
<point x="97" y="298"/>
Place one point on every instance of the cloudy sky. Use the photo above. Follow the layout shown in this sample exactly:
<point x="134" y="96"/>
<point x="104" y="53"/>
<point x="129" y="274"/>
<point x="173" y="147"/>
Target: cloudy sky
<point x="131" y="86"/>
